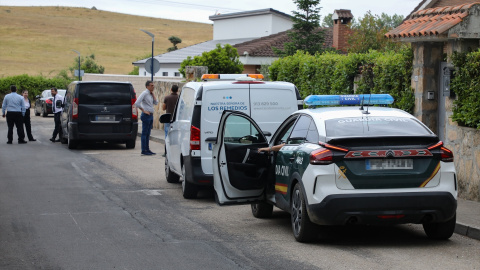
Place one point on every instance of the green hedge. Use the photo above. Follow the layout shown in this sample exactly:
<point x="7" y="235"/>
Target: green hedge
<point x="34" y="84"/>
<point x="466" y="85"/>
<point x="332" y="74"/>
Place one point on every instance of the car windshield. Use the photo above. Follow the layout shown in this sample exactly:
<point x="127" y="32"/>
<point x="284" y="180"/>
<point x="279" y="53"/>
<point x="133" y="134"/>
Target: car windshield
<point x="374" y="126"/>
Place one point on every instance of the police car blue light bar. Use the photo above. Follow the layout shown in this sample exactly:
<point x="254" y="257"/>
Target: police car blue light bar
<point x="364" y="99"/>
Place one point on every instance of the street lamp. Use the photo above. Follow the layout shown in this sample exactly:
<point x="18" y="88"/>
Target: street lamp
<point x="153" y="41"/>
<point x="78" y="63"/>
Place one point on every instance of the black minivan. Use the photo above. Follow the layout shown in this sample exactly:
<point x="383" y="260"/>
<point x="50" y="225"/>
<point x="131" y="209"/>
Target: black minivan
<point x="99" y="111"/>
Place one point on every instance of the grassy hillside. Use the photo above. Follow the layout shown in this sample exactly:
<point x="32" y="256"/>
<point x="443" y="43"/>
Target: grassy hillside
<point x="39" y="40"/>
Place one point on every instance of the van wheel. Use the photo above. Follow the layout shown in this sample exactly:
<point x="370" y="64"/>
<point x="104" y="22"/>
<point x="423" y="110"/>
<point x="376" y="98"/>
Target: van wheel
<point x="262" y="210"/>
<point x="303" y="228"/>
<point x="189" y="190"/>
<point x="169" y="175"/>
<point x="130" y="144"/>
<point x="440" y="230"/>
<point x="72" y="144"/>
<point x="63" y="140"/>
<point x="44" y="112"/>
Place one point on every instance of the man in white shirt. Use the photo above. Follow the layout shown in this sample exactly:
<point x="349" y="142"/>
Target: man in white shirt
<point x="57" y="111"/>
<point x="145" y="103"/>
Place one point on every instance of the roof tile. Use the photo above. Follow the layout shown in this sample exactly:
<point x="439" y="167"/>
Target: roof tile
<point x="263" y="47"/>
<point x="431" y="22"/>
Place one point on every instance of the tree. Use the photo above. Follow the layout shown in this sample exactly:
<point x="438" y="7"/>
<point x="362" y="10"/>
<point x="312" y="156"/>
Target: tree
<point x="305" y="35"/>
<point x="327" y="20"/>
<point x="174" y="40"/>
<point x="88" y="65"/>
<point x="218" y="60"/>
<point x="369" y="33"/>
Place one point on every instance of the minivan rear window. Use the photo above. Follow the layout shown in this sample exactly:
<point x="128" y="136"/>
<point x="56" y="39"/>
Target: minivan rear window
<point x="374" y="126"/>
<point x="104" y="94"/>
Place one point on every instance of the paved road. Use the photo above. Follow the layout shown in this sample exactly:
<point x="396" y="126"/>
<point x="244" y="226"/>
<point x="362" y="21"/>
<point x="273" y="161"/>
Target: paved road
<point x="105" y="207"/>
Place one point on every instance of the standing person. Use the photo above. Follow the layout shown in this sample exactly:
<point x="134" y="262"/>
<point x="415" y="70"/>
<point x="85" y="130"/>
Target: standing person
<point x="145" y="103"/>
<point x="168" y="105"/>
<point x="26" y="117"/>
<point x="15" y="106"/>
<point x="56" y="115"/>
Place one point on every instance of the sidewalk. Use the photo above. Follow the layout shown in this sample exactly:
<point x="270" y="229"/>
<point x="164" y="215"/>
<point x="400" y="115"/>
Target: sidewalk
<point x="468" y="212"/>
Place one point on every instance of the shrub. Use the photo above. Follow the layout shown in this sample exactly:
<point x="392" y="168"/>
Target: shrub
<point x="333" y="74"/>
<point x="466" y="84"/>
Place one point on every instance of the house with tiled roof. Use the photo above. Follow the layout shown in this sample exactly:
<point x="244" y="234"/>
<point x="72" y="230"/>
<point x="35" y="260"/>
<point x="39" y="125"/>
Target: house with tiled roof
<point x="257" y="52"/>
<point x="253" y="34"/>
<point x="436" y="29"/>
<point x="232" y="28"/>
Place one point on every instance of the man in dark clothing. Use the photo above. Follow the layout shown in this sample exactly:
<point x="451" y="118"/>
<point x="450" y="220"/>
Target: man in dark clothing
<point x="57" y="111"/>
<point x="168" y="105"/>
<point x="15" y="106"/>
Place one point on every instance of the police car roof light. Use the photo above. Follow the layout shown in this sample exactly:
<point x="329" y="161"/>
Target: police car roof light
<point x="230" y="76"/>
<point x="363" y="99"/>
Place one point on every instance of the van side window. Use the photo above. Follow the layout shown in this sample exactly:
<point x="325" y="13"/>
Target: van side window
<point x="185" y="105"/>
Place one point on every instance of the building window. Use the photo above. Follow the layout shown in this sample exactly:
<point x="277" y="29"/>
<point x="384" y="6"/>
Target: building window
<point x="164" y="74"/>
<point x="177" y="74"/>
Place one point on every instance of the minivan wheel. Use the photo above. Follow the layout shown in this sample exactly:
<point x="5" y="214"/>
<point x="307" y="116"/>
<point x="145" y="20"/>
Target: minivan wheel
<point x="169" y="175"/>
<point x="262" y="210"/>
<point x="63" y="140"/>
<point x="440" y="230"/>
<point x="189" y="190"/>
<point x="130" y="144"/>
<point x="303" y="228"/>
<point x="72" y="144"/>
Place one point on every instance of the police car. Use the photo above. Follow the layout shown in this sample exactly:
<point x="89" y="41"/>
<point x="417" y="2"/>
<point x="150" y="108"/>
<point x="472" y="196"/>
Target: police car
<point x="339" y="165"/>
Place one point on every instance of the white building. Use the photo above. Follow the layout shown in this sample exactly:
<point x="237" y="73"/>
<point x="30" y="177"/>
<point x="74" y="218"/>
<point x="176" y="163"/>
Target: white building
<point x="232" y="28"/>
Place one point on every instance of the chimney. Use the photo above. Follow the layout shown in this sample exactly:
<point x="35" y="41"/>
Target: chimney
<point x="341" y="17"/>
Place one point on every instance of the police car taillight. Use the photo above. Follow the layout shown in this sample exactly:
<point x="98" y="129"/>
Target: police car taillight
<point x="194" y="138"/>
<point x="446" y="154"/>
<point x="321" y="156"/>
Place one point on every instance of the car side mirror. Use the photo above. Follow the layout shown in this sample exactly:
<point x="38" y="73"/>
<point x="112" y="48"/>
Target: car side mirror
<point x="58" y="104"/>
<point x="165" y="118"/>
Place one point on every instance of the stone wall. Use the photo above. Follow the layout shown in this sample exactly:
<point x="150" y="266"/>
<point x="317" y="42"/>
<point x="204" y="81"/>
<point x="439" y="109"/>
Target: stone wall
<point x="465" y="144"/>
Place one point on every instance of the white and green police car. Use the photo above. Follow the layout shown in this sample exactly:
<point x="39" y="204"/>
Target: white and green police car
<point x="339" y="165"/>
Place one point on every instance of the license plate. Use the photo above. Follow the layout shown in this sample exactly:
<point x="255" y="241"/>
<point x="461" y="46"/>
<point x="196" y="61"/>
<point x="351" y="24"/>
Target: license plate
<point x="389" y="164"/>
<point x="105" y="118"/>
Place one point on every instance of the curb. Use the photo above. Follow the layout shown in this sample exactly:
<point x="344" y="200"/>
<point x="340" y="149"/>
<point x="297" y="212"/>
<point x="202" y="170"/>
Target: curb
<point x="155" y="139"/>
<point x="467" y="230"/>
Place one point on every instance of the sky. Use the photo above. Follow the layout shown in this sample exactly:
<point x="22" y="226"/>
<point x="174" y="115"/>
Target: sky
<point x="199" y="11"/>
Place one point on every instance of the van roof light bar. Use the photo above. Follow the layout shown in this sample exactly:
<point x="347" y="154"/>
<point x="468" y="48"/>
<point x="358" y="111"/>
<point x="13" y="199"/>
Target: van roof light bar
<point x="334" y="100"/>
<point x="206" y="77"/>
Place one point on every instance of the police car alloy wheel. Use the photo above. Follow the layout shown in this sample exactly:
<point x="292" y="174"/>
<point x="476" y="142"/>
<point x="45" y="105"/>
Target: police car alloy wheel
<point x="262" y="209"/>
<point x="303" y="228"/>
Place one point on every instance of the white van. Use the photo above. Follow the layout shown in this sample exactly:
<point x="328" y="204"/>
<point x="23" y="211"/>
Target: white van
<point x="194" y="123"/>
